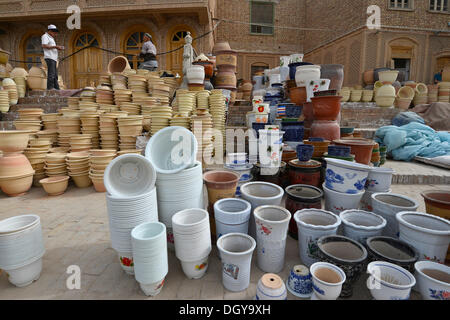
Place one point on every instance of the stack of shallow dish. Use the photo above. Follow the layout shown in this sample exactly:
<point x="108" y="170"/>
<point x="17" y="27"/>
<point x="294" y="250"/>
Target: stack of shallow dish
<point x="186" y="102"/>
<point x="201" y="125"/>
<point x="29" y="119"/>
<point x="78" y="167"/>
<point x="87" y="95"/>
<point x="203" y="99"/>
<point x="130" y="151"/>
<point x="137" y="83"/>
<point x="122" y="95"/>
<point x="66" y="112"/>
<point x="172" y="83"/>
<point x="131" y="108"/>
<point x="104" y="95"/>
<point x="217" y="108"/>
<point x="4" y="101"/>
<point x="66" y="127"/>
<point x="55" y="164"/>
<point x="160" y="118"/>
<point x="48" y="134"/>
<point x="131" y="200"/>
<point x="88" y="106"/>
<point x="179" y="120"/>
<point x="118" y="81"/>
<point x="130" y="126"/>
<point x="108" y="108"/>
<point x="10" y="85"/>
<point x="161" y="91"/>
<point x="36" y="153"/>
<point x="109" y="134"/>
<point x="21" y="249"/>
<point x="80" y="142"/>
<point x="100" y="159"/>
<point x="49" y="120"/>
<point x="152" y="81"/>
<point x="89" y="125"/>
<point x="73" y="103"/>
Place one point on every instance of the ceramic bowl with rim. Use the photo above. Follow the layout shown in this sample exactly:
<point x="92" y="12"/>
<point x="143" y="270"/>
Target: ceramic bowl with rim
<point x="360" y="225"/>
<point x="346" y="177"/>
<point x="388" y="281"/>
<point x="55" y="186"/>
<point x="172" y="149"/>
<point x="428" y="234"/>
<point x="129" y="175"/>
<point x="327" y="281"/>
<point x="379" y="179"/>
<point x="433" y="280"/>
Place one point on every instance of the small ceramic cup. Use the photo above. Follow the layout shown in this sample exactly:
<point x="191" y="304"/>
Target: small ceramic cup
<point x="305" y="152"/>
<point x="299" y="282"/>
<point x="327" y="281"/>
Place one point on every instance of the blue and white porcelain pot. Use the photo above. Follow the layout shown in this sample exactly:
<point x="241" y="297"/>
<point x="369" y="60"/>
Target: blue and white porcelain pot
<point x="299" y="282"/>
<point x="346" y="177"/>
<point x="271" y="287"/>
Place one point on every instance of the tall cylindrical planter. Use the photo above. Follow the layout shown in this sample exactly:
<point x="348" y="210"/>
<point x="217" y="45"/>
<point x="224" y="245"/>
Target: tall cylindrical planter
<point x="271" y="231"/>
<point x="232" y="216"/>
<point x="149" y="242"/>
<point x="236" y="252"/>
<point x="313" y="224"/>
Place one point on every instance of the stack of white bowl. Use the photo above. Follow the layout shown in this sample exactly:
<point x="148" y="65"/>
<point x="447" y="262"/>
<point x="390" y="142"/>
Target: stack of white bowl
<point x="192" y="236"/>
<point x="131" y="200"/>
<point x="160" y="118"/>
<point x="149" y="242"/>
<point x="21" y="249"/>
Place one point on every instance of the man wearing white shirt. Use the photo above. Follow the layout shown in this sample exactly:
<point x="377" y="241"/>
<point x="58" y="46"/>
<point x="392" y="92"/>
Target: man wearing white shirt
<point x="51" y="56"/>
<point x="148" y="53"/>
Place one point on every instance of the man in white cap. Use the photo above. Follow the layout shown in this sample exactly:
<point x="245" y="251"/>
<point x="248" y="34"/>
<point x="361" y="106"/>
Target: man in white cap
<point x="148" y="53"/>
<point x="51" y="56"/>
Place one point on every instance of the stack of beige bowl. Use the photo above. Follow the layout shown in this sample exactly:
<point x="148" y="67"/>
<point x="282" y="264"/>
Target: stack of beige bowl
<point x="104" y="95"/>
<point x="73" y="103"/>
<point x="55" y="164"/>
<point x="138" y="85"/>
<point x="180" y="120"/>
<point x="19" y="75"/>
<point x="87" y="95"/>
<point x="4" y="101"/>
<point x="105" y="78"/>
<point x="89" y="125"/>
<point x="201" y="126"/>
<point x="160" y="118"/>
<point x="217" y="108"/>
<point x="80" y="142"/>
<point x="48" y="134"/>
<point x="421" y="94"/>
<point x="122" y="95"/>
<point x="130" y="128"/>
<point x="143" y="72"/>
<point x="152" y="80"/>
<point x="108" y="108"/>
<point x="59" y="150"/>
<point x="99" y="161"/>
<point x="66" y="112"/>
<point x="161" y="91"/>
<point x="118" y="81"/>
<point x="433" y="93"/>
<point x="186" y="102"/>
<point x="133" y="109"/>
<point x="86" y="106"/>
<point x="444" y="91"/>
<point x="129" y="72"/>
<point x="10" y="85"/>
<point x="134" y="151"/>
<point x="67" y="126"/>
<point x="203" y="99"/>
<point x="36" y="153"/>
<point x="367" y="96"/>
<point x="79" y="167"/>
<point x="172" y="83"/>
<point x="29" y="119"/>
<point x="49" y="121"/>
<point x="109" y="134"/>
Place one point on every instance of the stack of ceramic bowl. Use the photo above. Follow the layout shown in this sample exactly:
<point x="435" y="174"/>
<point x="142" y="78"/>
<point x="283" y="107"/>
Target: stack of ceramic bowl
<point x="78" y="167"/>
<point x="108" y="108"/>
<point x="122" y="95"/>
<point x="89" y="126"/>
<point x="66" y="127"/>
<point x="49" y="120"/>
<point x="4" y="101"/>
<point x="104" y="95"/>
<point x="130" y="151"/>
<point x="149" y="244"/>
<point x="186" y="102"/>
<point x="105" y="78"/>
<point x="217" y="109"/>
<point x="161" y="91"/>
<point x="66" y="112"/>
<point x="99" y="160"/>
<point x="172" y="83"/>
<point x="49" y="134"/>
<point x="73" y="103"/>
<point x="201" y="126"/>
<point x="179" y="120"/>
<point x="87" y="95"/>
<point x="192" y="237"/>
<point x="130" y="126"/>
<point x="344" y="185"/>
<point x="21" y="249"/>
<point x="29" y="119"/>
<point x="118" y="81"/>
<point x="133" y="109"/>
<point x="80" y="142"/>
<point x="36" y="153"/>
<point x="131" y="200"/>
<point x="109" y="134"/>
<point x="21" y="83"/>
<point x="367" y="95"/>
<point x="88" y="106"/>
<point x="10" y="85"/>
<point x="55" y="164"/>
<point x="137" y="84"/>
<point x="160" y="118"/>
<point x="385" y="96"/>
<point x="421" y="94"/>
<point x="356" y="95"/>
<point x="203" y="99"/>
<point x="444" y="92"/>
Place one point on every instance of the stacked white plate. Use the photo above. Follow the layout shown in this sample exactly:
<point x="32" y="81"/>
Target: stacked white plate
<point x="192" y="237"/>
<point x="149" y="242"/>
<point x="21" y="249"/>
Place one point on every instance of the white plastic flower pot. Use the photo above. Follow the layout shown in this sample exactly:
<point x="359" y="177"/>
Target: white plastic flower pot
<point x="232" y="216"/>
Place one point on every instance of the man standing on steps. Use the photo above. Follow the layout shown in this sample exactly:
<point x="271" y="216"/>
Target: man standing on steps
<point x="148" y="53"/>
<point x="51" y="56"/>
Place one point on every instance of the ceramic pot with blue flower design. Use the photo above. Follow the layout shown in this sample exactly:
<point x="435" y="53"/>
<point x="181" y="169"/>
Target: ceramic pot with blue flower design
<point x="433" y="280"/>
<point x="299" y="282"/>
<point x="305" y="152"/>
<point x="346" y="177"/>
<point x="271" y="287"/>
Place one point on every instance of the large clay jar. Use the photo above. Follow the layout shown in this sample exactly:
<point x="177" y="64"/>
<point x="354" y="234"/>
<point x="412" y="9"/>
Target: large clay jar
<point x="328" y="130"/>
<point x="305" y="74"/>
<point x="326" y="107"/>
<point x="362" y="149"/>
<point x="226" y="58"/>
<point x="298" y="95"/>
<point x="195" y="74"/>
<point x="299" y="197"/>
<point x="226" y="78"/>
<point x="368" y="77"/>
<point x="118" y="64"/>
<point x="335" y="73"/>
<point x="15" y="165"/>
<point x="16" y="186"/>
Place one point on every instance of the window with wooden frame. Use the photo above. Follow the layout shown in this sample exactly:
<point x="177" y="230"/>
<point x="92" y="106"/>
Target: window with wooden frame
<point x="401" y="4"/>
<point x="262" y="16"/>
<point x="439" y="6"/>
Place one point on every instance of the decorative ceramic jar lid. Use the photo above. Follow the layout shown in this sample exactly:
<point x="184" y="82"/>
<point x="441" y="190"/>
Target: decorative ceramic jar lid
<point x="308" y="164"/>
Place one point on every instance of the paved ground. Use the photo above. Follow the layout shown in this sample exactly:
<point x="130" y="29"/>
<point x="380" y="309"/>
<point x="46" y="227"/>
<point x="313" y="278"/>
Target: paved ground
<point x="76" y="233"/>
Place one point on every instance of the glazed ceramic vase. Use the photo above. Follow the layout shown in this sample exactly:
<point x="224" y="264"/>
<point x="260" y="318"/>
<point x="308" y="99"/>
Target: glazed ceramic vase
<point x="314" y="86"/>
<point x="313" y="224"/>
<point x="271" y="231"/>
<point x="236" y="252"/>
<point x="304" y="74"/>
<point x="232" y="216"/>
<point x="271" y="287"/>
<point x="299" y="282"/>
<point x="345" y="253"/>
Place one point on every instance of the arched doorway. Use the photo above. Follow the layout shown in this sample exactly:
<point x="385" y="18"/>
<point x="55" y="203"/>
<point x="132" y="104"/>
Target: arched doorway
<point x="442" y="62"/>
<point x="87" y="64"/>
<point x="175" y="40"/>
<point x="402" y="56"/>
<point x="31" y="50"/>
<point x="132" y="44"/>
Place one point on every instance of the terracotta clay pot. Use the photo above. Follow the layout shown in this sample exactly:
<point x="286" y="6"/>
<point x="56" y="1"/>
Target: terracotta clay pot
<point x="368" y="77"/>
<point x="437" y="202"/>
<point x="16" y="186"/>
<point x="326" y="108"/>
<point x="328" y="130"/>
<point x="118" y="64"/>
<point x="308" y="113"/>
<point x="362" y="149"/>
<point x="12" y="141"/>
<point x="226" y="58"/>
<point x="15" y="165"/>
<point x="298" y="95"/>
<point x="334" y="72"/>
<point x="226" y="78"/>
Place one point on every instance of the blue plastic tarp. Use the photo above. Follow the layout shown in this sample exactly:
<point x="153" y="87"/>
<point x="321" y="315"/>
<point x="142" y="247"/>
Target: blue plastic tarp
<point x="412" y="140"/>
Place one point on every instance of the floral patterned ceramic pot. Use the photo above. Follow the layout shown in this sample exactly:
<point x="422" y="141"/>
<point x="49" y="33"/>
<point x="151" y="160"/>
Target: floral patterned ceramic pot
<point x="433" y="285"/>
<point x="304" y="74"/>
<point x="314" y="86"/>
<point x="271" y="287"/>
<point x="338" y="202"/>
<point x="270" y="148"/>
<point x="299" y="282"/>
<point x="379" y="179"/>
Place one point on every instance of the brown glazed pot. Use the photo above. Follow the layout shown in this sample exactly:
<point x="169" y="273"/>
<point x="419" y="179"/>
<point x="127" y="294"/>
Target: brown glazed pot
<point x="298" y="95"/>
<point x="328" y="130"/>
<point x="369" y="77"/>
<point x="334" y="72"/>
<point x="326" y="108"/>
<point x="437" y="202"/>
<point x="226" y="78"/>
<point x="362" y="149"/>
